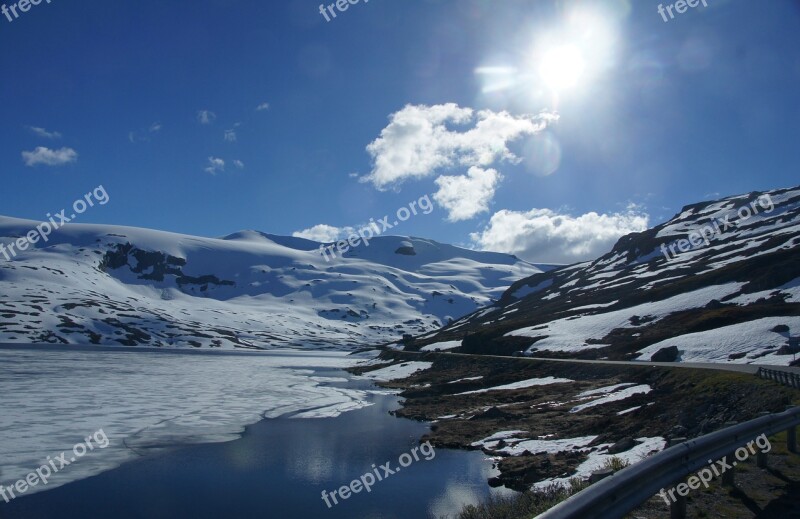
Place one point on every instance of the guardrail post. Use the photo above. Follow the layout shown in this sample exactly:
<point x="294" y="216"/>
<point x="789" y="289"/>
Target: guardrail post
<point x="761" y="457"/>
<point x="761" y="460"/>
<point x="729" y="476"/>
<point x="791" y="435"/>
<point x="677" y="507"/>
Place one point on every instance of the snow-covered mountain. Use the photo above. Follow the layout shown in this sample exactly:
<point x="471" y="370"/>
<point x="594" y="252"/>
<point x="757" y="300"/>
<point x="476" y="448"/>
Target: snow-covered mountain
<point x="719" y="282"/>
<point x="96" y="284"/>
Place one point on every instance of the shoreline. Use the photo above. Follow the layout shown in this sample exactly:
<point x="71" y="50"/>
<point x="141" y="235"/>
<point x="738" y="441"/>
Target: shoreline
<point x="469" y="400"/>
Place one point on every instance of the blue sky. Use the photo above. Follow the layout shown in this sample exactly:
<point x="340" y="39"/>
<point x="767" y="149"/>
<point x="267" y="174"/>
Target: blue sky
<point x="546" y="128"/>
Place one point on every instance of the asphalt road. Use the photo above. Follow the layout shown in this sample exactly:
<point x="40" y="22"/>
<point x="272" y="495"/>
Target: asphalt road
<point x="738" y="368"/>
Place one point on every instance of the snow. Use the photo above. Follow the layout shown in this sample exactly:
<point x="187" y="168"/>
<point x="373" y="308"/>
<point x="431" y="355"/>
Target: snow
<point x="520" y="385"/>
<point x="604" y="390"/>
<point x="467" y="379"/>
<point x="273" y="292"/>
<point x="791" y="290"/>
<point x="398" y="371"/>
<point x="447" y="345"/>
<point x="145" y="400"/>
<point x="752" y="338"/>
<point x="594" y="307"/>
<point x="548" y="446"/>
<point x="528" y="290"/>
<point x="571" y="334"/>
<point x="501" y="435"/>
<point x="616" y="396"/>
<point x="597" y="460"/>
<point x="374" y="362"/>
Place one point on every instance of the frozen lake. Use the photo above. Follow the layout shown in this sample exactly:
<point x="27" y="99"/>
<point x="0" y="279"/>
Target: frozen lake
<point x="172" y="417"/>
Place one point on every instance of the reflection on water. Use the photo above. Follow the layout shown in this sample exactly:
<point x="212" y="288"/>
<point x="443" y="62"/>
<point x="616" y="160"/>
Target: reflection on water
<point x="279" y="468"/>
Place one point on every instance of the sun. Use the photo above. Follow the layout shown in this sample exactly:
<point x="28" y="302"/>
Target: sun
<point x="565" y="59"/>
<point x="562" y="67"/>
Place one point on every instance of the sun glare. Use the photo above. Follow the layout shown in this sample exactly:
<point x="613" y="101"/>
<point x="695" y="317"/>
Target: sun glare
<point x="565" y="58"/>
<point x="569" y="56"/>
<point x="562" y="67"/>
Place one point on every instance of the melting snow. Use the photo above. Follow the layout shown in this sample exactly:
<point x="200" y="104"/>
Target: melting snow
<point x="614" y="397"/>
<point x="521" y="385"/>
<point x="398" y="371"/>
<point x="597" y="460"/>
<point x="447" y="345"/>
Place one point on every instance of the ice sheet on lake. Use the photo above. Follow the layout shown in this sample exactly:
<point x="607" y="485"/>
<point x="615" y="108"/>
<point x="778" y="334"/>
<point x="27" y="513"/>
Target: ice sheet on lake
<point x="55" y="399"/>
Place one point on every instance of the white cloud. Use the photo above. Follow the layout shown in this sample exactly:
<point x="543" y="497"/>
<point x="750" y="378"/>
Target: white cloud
<point x="324" y="233"/>
<point x="155" y="128"/>
<point x="48" y="157"/>
<point x="238" y="163"/>
<point x="544" y="236"/>
<point x="206" y="116"/>
<point x="41" y="132"/>
<point x="230" y="136"/>
<point x="215" y="165"/>
<point x="262" y="107"/>
<point x="466" y="196"/>
<point x="418" y="142"/>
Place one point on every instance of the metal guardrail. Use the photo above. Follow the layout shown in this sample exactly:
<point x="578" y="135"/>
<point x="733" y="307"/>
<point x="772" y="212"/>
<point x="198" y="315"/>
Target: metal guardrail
<point x="781" y="377"/>
<point x="620" y="493"/>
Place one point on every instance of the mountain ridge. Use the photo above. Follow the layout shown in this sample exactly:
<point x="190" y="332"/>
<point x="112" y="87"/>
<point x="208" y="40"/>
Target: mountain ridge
<point x="703" y="304"/>
<point x="100" y="284"/>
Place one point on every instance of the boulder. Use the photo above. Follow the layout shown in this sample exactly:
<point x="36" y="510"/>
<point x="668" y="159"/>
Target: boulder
<point x="668" y="354"/>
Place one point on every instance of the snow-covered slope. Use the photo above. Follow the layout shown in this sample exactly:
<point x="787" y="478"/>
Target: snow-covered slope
<point x="731" y="295"/>
<point x="96" y="284"/>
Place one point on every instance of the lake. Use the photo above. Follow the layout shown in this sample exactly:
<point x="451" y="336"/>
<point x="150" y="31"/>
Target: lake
<point x="331" y="430"/>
